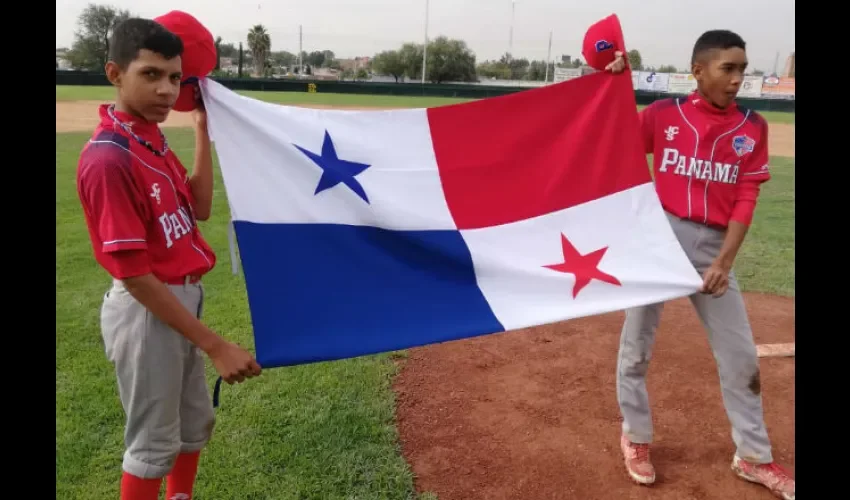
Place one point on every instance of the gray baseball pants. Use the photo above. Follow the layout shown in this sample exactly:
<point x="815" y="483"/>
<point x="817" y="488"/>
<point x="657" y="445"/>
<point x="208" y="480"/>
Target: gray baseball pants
<point x="161" y="381"/>
<point x="731" y="339"/>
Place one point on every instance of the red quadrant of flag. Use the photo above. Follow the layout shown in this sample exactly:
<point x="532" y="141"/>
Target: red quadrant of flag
<point x="523" y="155"/>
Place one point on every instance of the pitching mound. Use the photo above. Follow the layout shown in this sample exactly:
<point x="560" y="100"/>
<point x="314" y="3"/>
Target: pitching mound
<point x="533" y="414"/>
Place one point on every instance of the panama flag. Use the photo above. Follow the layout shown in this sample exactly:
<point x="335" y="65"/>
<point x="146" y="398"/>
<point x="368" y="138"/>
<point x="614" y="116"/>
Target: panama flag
<point x="362" y="232"/>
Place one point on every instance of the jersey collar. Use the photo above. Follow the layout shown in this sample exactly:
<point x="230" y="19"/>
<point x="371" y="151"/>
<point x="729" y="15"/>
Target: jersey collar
<point x="702" y="104"/>
<point x="141" y="127"/>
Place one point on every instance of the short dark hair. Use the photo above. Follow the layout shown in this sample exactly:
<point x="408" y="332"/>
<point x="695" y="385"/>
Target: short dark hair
<point x="134" y="34"/>
<point x="714" y="40"/>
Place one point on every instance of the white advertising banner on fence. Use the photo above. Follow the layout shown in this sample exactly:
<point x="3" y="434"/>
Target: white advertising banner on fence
<point x="653" y="82"/>
<point x="564" y="74"/>
<point x="681" y="83"/>
<point x="635" y="79"/>
<point x="751" y="87"/>
<point x="778" y="87"/>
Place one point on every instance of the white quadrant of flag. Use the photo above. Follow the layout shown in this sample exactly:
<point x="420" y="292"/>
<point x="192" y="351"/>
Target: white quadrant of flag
<point x="402" y="182"/>
<point x="639" y="251"/>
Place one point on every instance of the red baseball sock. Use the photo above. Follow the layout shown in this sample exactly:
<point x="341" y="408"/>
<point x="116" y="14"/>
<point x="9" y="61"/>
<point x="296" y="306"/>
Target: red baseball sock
<point x="136" y="488"/>
<point x="182" y="477"/>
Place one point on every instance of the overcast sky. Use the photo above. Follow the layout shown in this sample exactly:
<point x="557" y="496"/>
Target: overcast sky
<point x="663" y="30"/>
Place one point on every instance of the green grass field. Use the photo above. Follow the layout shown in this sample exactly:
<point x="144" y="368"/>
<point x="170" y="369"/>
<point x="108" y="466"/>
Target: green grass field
<point x="73" y="93"/>
<point x="323" y="431"/>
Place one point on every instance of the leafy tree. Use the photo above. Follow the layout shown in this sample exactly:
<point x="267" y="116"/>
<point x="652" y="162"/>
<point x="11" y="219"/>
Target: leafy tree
<point x="389" y="62"/>
<point x="330" y="59"/>
<point x="494" y="69"/>
<point x="228" y="50"/>
<point x="316" y="58"/>
<point x="96" y="24"/>
<point x="448" y="60"/>
<point x="537" y="71"/>
<point x="635" y="60"/>
<point x="411" y="55"/>
<point x="283" y="58"/>
<point x="516" y="69"/>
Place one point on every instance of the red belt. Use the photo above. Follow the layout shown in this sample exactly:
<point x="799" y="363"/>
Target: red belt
<point x="185" y="280"/>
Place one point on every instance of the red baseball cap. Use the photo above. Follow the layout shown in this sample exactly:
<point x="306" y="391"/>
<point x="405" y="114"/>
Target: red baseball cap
<point x="601" y="41"/>
<point x="199" y="54"/>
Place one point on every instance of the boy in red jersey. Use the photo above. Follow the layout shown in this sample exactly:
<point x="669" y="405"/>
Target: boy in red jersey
<point x="710" y="159"/>
<point x="141" y="209"/>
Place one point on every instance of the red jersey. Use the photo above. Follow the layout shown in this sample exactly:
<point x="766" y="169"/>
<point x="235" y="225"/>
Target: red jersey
<point x="139" y="206"/>
<point x="708" y="163"/>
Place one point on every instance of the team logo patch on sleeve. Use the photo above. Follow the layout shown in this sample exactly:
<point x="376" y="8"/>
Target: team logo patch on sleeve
<point x="743" y="144"/>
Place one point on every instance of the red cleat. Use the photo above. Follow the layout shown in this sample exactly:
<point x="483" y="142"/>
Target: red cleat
<point x="772" y="476"/>
<point x="636" y="456"/>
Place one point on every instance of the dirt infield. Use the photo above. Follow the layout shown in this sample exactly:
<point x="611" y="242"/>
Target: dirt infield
<point x="781" y="140"/>
<point x="81" y="116"/>
<point x="533" y="414"/>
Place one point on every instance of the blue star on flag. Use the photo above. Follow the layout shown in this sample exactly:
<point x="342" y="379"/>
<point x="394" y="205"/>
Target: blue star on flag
<point x="334" y="170"/>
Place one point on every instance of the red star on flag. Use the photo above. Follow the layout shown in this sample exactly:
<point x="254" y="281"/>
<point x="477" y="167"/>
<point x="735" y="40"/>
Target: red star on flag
<point x="583" y="267"/>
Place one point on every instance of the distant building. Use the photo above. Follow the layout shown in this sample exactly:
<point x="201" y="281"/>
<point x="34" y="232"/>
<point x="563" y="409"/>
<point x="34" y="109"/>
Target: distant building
<point x="790" y="64"/>
<point x="325" y="74"/>
<point x="355" y="64"/>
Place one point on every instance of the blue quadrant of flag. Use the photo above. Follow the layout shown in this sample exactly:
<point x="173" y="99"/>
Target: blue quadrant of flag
<point x="358" y="290"/>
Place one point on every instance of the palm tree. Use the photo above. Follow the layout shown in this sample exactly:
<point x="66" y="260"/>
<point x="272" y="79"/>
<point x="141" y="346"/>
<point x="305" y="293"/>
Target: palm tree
<point x="260" y="44"/>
